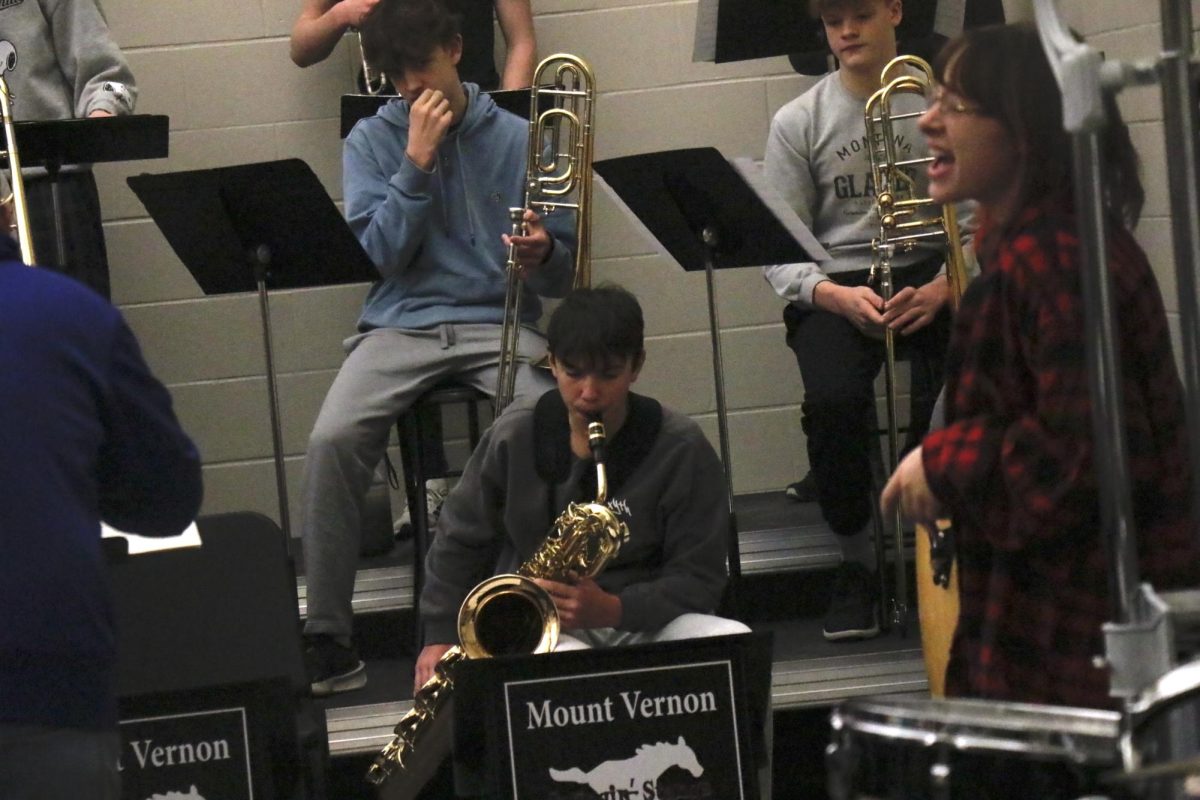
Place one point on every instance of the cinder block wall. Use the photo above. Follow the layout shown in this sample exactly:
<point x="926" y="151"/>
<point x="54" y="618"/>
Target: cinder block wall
<point x="222" y="73"/>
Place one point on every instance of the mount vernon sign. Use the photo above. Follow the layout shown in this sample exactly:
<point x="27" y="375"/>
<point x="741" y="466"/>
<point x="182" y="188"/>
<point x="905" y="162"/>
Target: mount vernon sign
<point x="679" y="720"/>
<point x="639" y="734"/>
<point x="199" y="755"/>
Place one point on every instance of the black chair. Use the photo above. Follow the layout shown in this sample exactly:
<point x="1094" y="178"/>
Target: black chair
<point x="415" y="427"/>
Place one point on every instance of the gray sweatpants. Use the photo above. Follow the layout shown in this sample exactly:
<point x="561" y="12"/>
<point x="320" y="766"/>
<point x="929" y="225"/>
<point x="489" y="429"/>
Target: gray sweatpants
<point x="384" y="372"/>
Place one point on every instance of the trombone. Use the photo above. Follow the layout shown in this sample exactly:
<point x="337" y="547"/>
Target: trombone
<point x="20" y="203"/>
<point x="903" y="227"/>
<point x="559" y="164"/>
<point x="374" y="81"/>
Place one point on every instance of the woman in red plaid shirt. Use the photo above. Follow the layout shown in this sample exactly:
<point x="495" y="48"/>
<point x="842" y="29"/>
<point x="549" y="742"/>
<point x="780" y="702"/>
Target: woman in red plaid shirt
<point x="1014" y="466"/>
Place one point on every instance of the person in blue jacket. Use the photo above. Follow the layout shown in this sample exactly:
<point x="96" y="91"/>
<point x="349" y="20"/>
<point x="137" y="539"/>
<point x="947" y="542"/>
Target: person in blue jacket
<point x="86" y="434"/>
<point x="428" y="182"/>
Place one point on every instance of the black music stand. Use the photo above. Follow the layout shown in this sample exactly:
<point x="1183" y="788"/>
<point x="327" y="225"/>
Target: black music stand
<point x="239" y="228"/>
<point x="359" y="106"/>
<point x="738" y="30"/>
<point x="709" y="214"/>
<point x="53" y="144"/>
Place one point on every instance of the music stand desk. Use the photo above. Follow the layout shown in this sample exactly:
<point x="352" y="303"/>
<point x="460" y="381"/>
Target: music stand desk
<point x="52" y="144"/>
<point x="252" y="227"/>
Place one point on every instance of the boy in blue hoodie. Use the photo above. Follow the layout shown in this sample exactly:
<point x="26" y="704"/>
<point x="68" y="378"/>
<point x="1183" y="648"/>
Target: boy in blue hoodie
<point x="428" y="182"/>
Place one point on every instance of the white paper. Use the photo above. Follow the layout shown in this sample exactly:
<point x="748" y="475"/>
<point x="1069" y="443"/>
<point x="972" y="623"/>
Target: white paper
<point x="949" y="16"/>
<point x="704" y="48"/>
<point x="190" y="537"/>
<point x="753" y="175"/>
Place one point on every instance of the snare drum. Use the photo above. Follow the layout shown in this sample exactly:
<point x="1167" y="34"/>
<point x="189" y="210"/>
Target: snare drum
<point x="1161" y="749"/>
<point x="915" y="747"/>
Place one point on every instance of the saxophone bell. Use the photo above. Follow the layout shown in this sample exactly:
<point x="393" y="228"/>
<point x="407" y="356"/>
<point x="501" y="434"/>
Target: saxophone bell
<point x="507" y="615"/>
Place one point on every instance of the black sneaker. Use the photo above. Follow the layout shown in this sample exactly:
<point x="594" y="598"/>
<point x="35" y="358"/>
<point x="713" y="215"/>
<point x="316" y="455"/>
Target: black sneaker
<point x="332" y="667"/>
<point x="852" y="610"/>
<point x="804" y="490"/>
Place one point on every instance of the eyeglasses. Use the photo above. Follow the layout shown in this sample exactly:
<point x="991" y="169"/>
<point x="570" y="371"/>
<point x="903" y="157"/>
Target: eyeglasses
<point x="949" y="104"/>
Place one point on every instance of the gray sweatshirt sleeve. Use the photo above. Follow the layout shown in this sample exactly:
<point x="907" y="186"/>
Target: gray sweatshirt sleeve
<point x="694" y="517"/>
<point x="786" y="165"/>
<point x="90" y="59"/>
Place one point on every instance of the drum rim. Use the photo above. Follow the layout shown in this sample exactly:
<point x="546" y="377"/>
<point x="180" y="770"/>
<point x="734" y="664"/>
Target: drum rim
<point x="1176" y="683"/>
<point x="1080" y="735"/>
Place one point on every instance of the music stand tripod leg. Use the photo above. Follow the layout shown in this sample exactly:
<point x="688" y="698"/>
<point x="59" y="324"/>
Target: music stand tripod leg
<point x="260" y="257"/>
<point x="710" y="241"/>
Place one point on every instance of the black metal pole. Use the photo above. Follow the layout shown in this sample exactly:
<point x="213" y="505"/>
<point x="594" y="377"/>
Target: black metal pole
<point x="710" y="241"/>
<point x="1180" y="99"/>
<point x="260" y="257"/>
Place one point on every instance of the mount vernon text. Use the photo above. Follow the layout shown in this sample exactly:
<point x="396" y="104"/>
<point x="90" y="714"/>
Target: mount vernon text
<point x="634" y="705"/>
<point x="148" y="753"/>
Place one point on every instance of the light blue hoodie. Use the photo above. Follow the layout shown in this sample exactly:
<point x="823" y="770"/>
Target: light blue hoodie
<point x="435" y="236"/>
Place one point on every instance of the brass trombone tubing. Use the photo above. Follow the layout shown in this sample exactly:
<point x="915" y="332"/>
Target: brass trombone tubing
<point x="552" y="172"/>
<point x="899" y="229"/>
<point x="373" y="82"/>
<point x="20" y="203"/>
<point x="510" y="331"/>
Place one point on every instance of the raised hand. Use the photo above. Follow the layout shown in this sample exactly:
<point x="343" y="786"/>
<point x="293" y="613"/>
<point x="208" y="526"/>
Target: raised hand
<point x="353" y="11"/>
<point x="429" y="118"/>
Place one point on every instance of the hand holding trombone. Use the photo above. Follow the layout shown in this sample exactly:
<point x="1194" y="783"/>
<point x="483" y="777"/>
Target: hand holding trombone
<point x="559" y="165"/>
<point x="903" y="226"/>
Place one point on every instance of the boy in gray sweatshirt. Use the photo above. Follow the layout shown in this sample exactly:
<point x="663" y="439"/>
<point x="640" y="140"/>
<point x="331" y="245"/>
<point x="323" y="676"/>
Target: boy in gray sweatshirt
<point x="817" y="158"/>
<point x="665" y="482"/>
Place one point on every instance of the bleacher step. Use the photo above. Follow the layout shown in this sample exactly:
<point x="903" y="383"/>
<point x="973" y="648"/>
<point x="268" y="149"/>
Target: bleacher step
<point x="763" y="552"/>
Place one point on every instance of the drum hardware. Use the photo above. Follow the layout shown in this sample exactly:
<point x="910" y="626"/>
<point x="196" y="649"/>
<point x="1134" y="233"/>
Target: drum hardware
<point x="1084" y="78"/>
<point x="1160" y="741"/>
<point x="942" y="743"/>
<point x="1139" y="645"/>
<point x="559" y="163"/>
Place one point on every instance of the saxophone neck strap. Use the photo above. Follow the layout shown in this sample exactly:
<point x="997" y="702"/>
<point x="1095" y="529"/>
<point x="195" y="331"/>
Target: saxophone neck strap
<point x="623" y="452"/>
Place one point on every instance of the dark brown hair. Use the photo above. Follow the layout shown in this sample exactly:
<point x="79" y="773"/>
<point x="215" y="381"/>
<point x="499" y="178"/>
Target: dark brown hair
<point x="1003" y="70"/>
<point x="818" y="7"/>
<point x="399" y="35"/>
<point x="591" y="326"/>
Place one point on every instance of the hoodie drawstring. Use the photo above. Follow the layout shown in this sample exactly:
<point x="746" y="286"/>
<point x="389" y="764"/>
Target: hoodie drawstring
<point x="462" y="178"/>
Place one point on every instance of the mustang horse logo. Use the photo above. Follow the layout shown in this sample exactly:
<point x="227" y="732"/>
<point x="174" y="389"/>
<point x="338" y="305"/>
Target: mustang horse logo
<point x="642" y="770"/>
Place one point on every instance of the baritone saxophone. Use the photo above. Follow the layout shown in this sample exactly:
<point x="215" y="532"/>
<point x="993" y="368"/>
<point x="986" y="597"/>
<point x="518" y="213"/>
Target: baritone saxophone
<point x="504" y="615"/>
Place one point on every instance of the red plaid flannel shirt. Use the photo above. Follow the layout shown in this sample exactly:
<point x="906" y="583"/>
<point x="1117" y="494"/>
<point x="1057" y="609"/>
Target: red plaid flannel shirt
<point x="1014" y="465"/>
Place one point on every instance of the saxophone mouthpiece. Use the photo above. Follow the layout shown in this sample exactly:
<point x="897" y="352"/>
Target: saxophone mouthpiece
<point x="596" y="435"/>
